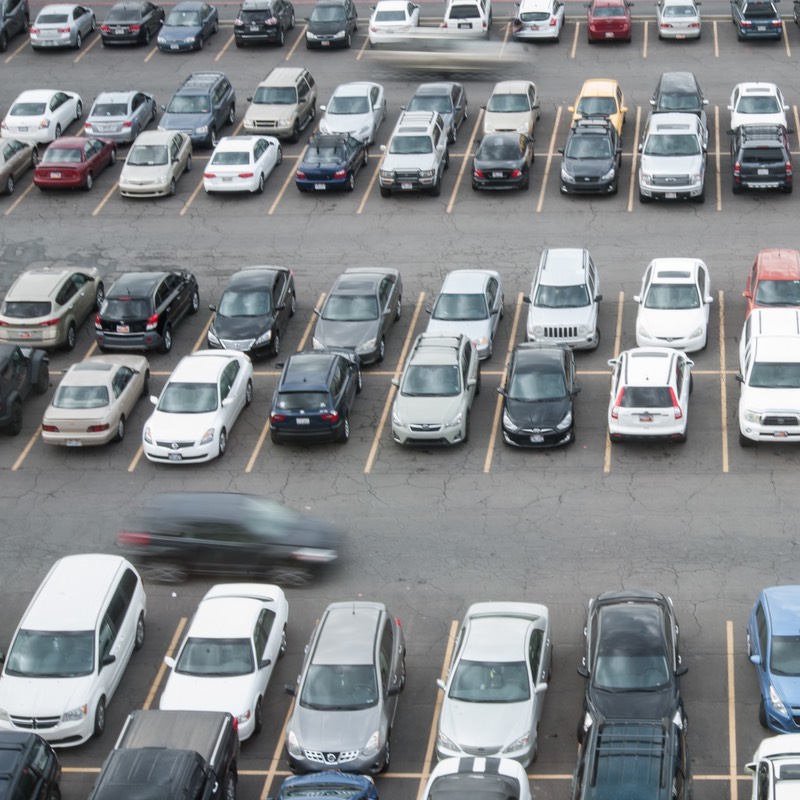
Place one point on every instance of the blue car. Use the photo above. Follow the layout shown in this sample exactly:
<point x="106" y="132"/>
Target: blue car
<point x="773" y="646"/>
<point x="341" y="785"/>
<point x="331" y="161"/>
<point x="188" y="26"/>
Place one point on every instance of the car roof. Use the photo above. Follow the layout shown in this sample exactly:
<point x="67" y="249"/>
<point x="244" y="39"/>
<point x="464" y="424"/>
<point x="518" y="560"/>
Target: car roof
<point x="535" y="5"/>
<point x="68" y="143"/>
<point x="133" y="5"/>
<point x="439" y="87"/>
<point x="391" y="4"/>
<point x="774" y="321"/>
<point x="307" y="372"/>
<point x="188" y="5"/>
<point x="88" y="373"/>
<point x="563" y="266"/>
<point x="538" y="355"/>
<point x="599" y="87"/>
<point x="755" y="135"/>
<point x="254" y="277"/>
<point x="356" y="284"/>
<point x="38" y="283"/>
<point x="434" y="348"/>
<point x="496" y="639"/>
<point x="226" y="617"/>
<point x="58" y="8"/>
<point x="135" y="284"/>
<point x="756" y="87"/>
<point x="777" y="350"/>
<point x="778" y="263"/>
<point x="201" y="366"/>
<point x="358" y="88"/>
<point x="283" y="76"/>
<point x="155" y="137"/>
<point x="235" y="142"/>
<point x="512" y="87"/>
<point x="673" y="121"/>
<point x="648" y="366"/>
<point x="783" y="606"/>
<point x="37" y="94"/>
<point x="675" y="270"/>
<point x="347" y="634"/>
<point x="468" y="281"/>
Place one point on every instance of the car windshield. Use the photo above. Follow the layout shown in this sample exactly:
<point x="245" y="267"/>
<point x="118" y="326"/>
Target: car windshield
<point x="562" y="296"/>
<point x="227" y="158"/>
<point x="608" y="11"/>
<point x="772" y="375"/>
<point x="488" y="682"/>
<point x="183" y="19"/>
<point x="350" y="308"/>
<point x="410" y="145"/>
<point x="509" y="103"/>
<point x="110" y="110"/>
<point x="251" y="303"/>
<point x="148" y="155"/>
<point x="431" y="380"/>
<point x="763" y="104"/>
<point x="216" y="657"/>
<point x="672" y="296"/>
<point x="81" y="397"/>
<point x="302" y="401"/>
<point x="343" y="687"/>
<point x="784" y="657"/>
<point x="778" y="293"/>
<point x="275" y="95"/>
<point x="189" y="104"/>
<point x="188" y="398"/>
<point x="536" y="385"/>
<point x="672" y="144"/>
<point x="51" y="19"/>
<point x="494" y="148"/>
<point x="27" y="109"/>
<point x="678" y="101"/>
<point x="431" y="102"/>
<point x="342" y="104"/>
<point x="460" y="307"/>
<point x="26" y="309"/>
<point x="126" y="308"/>
<point x="390" y="16"/>
<point x="323" y="154"/>
<point x="588" y="147"/>
<point x="645" y="397"/>
<point x="46" y="654"/>
<point x="327" y="14"/>
<point x="62" y="155"/>
<point x="603" y="106"/>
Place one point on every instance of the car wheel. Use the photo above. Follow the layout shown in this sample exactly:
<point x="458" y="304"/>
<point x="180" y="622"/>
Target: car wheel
<point x="293" y="305"/>
<point x="398" y="309"/>
<point x="78" y="41"/>
<point x="89" y="182"/>
<point x="382" y="349"/>
<point x="291" y="22"/>
<point x="195" y="303"/>
<point x="120" y="429"/>
<point x="94" y="23"/>
<point x="100" y="295"/>
<point x="58" y="130"/>
<point x="147" y="36"/>
<point x="232" y="114"/>
<point x="258" y="721"/>
<point x="281" y="38"/>
<point x="289" y="576"/>
<point x="71" y="337"/>
<point x="351" y="183"/>
<point x="787" y="189"/>
<point x="55" y="794"/>
<point x="223" y="442"/>
<point x="453" y="134"/>
<point x="15" y="419"/>
<point x="166" y="342"/>
<point x="201" y="42"/>
<point x="248" y="393"/>
<point x="478" y="383"/>
<point x="282" y="648"/>
<point x="173" y="188"/>
<point x="139" y="639"/>
<point x="146" y="384"/>
<point x="348" y="40"/>
<point x="3" y="42"/>
<point x="100" y="717"/>
<point x="188" y="167"/>
<point x="744" y="441"/>
<point x="701" y="198"/>
<point x="643" y="198"/>
<point x="213" y="138"/>
<point x="365" y="162"/>
<point x="436" y="189"/>
<point x="359" y="381"/>
<point x="447" y="158"/>
<point x="762" y="714"/>
<point x="113" y="157"/>
<point x="9" y="185"/>
<point x="163" y="572"/>
<point x="535" y="752"/>
<point x="344" y="436"/>
<point x="295" y="134"/>
<point x="261" y="182"/>
<point x="387" y="759"/>
<point x="276" y="344"/>
<point x="279" y="157"/>
<point x="386" y="192"/>
<point x="230" y="787"/>
<point x="465" y="437"/>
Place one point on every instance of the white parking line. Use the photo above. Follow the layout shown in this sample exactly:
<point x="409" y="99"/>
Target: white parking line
<point x="617" y="341"/>
<point x="723" y="390"/>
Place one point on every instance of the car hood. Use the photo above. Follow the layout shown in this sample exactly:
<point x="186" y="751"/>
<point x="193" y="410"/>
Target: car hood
<point x="269" y="111"/>
<point x="588" y="167"/>
<point x="788" y="687"/>
<point x="346" y="123"/>
<point x="758" y="399"/>
<point x="182" y="122"/>
<point x="561" y="316"/>
<point x="475" y="329"/>
<point x="177" y="33"/>
<point x="333" y="333"/>
<point x="180" y="427"/>
<point x="539" y="414"/>
<point x="635" y="705"/>
<point x="193" y="693"/>
<point x="428" y="409"/>
<point x="672" y="165"/>
<point x="43" y="697"/>
<point x="507" y="121"/>
<point x="240" y="327"/>
<point x="144" y="173"/>
<point x="472" y="725"/>
<point x="334" y="730"/>
<point x="671" y="323"/>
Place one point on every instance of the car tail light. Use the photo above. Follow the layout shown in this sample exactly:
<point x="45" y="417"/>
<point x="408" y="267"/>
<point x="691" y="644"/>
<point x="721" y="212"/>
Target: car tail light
<point x="88" y="127"/>
<point x="478" y="174"/>
<point x="483" y="24"/>
<point x="272" y="21"/>
<point x="777" y="22"/>
<point x="152" y="322"/>
<point x="3" y="324"/>
<point x="694" y="25"/>
<point x="516" y="173"/>
<point x="97" y="322"/>
<point x="97" y="428"/>
<point x="373" y="28"/>
<point x="50" y="428"/>
<point x="615" y="407"/>
<point x="300" y="175"/>
<point x="788" y="169"/>
<point x="277" y="417"/>
<point x="340" y="173"/>
<point x="553" y="22"/>
<point x="105" y="28"/>
<point x="399" y="623"/>
<point x="236" y="724"/>
<point x="134" y="28"/>
<point x="135" y="539"/>
<point x="63" y="30"/>
<point x="330" y="416"/>
<point x="737" y="170"/>
<point x="666" y="25"/>
<point x="209" y="174"/>
<point x="45" y="123"/>
<point x="745" y="23"/>
<point x="246" y="174"/>
<point x="127" y="124"/>
<point x="33" y="30"/>
<point x="676" y="409"/>
<point x="49" y="323"/>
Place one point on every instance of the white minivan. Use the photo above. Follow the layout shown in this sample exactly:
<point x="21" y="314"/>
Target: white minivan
<point x="71" y="647"/>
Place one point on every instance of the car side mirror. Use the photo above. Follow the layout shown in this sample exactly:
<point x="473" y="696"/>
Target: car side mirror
<point x="612" y="362"/>
<point x="537" y="104"/>
<point x="501" y="391"/>
<point x="750" y="768"/>
<point x="730" y="131"/>
<point x="740" y="378"/>
<point x="428" y="309"/>
<point x="623" y="110"/>
<point x="153" y="399"/>
<point x="163" y="108"/>
<point x="541" y="687"/>
<point x="393" y="691"/>
<point x="575" y="390"/>
<point x="571" y="109"/>
<point x="212" y="307"/>
<point x="289" y="688"/>
<point x="755" y="659"/>
<point x="280" y="307"/>
<point x="708" y="299"/>
<point x="598" y="298"/>
<point x="583" y="672"/>
<point x="249" y="99"/>
<point x="279" y="366"/>
<point x="682" y="670"/>
<point x="396" y="382"/>
<point x="265" y="662"/>
<point x="637" y="298"/>
<point x="318" y="312"/>
<point x="227" y="401"/>
<point x="2" y="658"/>
<point x="653" y="102"/>
<point x="560" y="150"/>
<point x="441" y="684"/>
<point x="730" y="108"/>
<point x="472" y="382"/>
<point x="107" y="660"/>
<point x="746" y="293"/>
<point x="170" y="662"/>
<point x="383" y="148"/>
<point x="526" y="298"/>
<point x="619" y="151"/>
<point x="322" y="108"/>
<point x="641" y="147"/>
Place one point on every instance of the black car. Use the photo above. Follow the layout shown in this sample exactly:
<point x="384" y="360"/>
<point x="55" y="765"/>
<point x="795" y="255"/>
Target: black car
<point x="631" y="664"/>
<point x="22" y="370"/>
<point x="761" y="158"/>
<point x="756" y="19"/>
<point x="29" y="768"/>
<point x="142" y="308"/>
<point x="359" y="310"/>
<point x="314" y="397"/>
<point x="331" y="161"/>
<point x="131" y="23"/>
<point x="679" y="92"/>
<point x="592" y="158"/>
<point x="15" y="17"/>
<point x="254" y="310"/>
<point x="332" y="24"/>
<point x="224" y="533"/>
<point x="448" y="99"/>
<point x="503" y="161"/>
<point x="538" y="396"/>
<point x="263" y="21"/>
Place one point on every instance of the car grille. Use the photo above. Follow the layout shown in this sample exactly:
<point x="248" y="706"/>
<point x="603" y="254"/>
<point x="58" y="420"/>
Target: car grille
<point x="265" y="123"/>
<point x="331" y="758"/>
<point x="671" y="180"/>
<point x="237" y="344"/>
<point x="561" y="332"/>
<point x="480" y="752"/>
<point x="35" y="723"/>
<point x="406" y="174"/>
<point x="426" y="427"/>
<point x="789" y="420"/>
<point x="175" y="445"/>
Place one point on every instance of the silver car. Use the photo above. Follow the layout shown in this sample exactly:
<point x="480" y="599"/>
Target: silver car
<point x="62" y="26"/>
<point x="154" y="164"/>
<point x="121" y="116"/>
<point x="494" y="692"/>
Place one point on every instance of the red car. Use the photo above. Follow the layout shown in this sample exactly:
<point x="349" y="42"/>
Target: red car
<point x="73" y="162"/>
<point x="608" y="19"/>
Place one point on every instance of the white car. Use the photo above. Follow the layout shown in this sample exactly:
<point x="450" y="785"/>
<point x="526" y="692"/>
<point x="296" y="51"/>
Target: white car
<point x="64" y="25"/>
<point x="478" y="778"/>
<point x="678" y="19"/>
<point x="674" y="304"/>
<point x="495" y="686"/>
<point x="41" y="115"/>
<point x="472" y="17"/>
<point x="198" y="407"/>
<point x="776" y="767"/>
<point x="390" y="18"/>
<point x="769" y="377"/>
<point x="242" y="164"/>
<point x="650" y="388"/>
<point x="513" y="106"/>
<point x="355" y="108"/>
<point x="538" y="19"/>
<point x="757" y="104"/>
<point x="226" y="659"/>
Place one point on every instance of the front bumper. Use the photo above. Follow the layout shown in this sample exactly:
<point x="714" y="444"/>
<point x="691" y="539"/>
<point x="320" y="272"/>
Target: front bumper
<point x="588" y="342"/>
<point x="677" y="192"/>
<point x="523" y="756"/>
<point x="266" y="127"/>
<point x="347" y="761"/>
<point x="179" y="46"/>
<point x="428" y="434"/>
<point x="588" y="185"/>
<point x="243" y="346"/>
<point x="537" y="440"/>
<point x="773" y="426"/>
<point x="687" y="344"/>
<point x="185" y="452"/>
<point x="52" y="729"/>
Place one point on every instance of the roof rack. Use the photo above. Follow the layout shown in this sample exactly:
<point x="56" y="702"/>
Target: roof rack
<point x="631" y="752"/>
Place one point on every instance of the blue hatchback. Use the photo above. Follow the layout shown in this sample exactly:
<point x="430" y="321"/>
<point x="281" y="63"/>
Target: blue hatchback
<point x="773" y="646"/>
<point x="331" y="161"/>
<point x="332" y="783"/>
<point x="188" y="26"/>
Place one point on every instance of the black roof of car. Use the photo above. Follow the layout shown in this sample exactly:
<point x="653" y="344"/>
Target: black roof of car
<point x="752" y="134"/>
<point x="136" y="284"/>
<point x="672" y="81"/>
<point x="538" y="354"/>
<point x="328" y="139"/>
<point x="307" y="372"/>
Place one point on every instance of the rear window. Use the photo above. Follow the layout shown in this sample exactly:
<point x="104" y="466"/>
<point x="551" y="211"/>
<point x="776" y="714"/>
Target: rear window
<point x="110" y="110"/>
<point x="646" y="397"/>
<point x="25" y="310"/>
<point x="534" y="16"/>
<point x="763" y="155"/>
<point x="298" y="401"/>
<point x="127" y="308"/>
<point x="51" y="19"/>
<point x="464" y="12"/>
<point x="122" y="14"/>
<point x="256" y="15"/>
<point x="760" y="11"/>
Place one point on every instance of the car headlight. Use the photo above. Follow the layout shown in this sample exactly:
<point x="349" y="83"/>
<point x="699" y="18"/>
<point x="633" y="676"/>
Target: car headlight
<point x="213" y="338"/>
<point x="583" y="330"/>
<point x="293" y="746"/>
<point x="324" y="127"/>
<point x="201" y="129"/>
<point x="373" y="745"/>
<point x="776" y="701"/>
<point x="387" y="174"/>
<point x="363" y="133"/>
<point x="446" y="742"/>
<point x="74" y="714"/>
<point x="566" y="175"/>
<point x="317" y="344"/>
<point x="161" y="40"/>
<point x="566" y="422"/>
<point x="524" y="128"/>
<point x="189" y="39"/>
<point x="265" y="337"/>
<point x="752" y="416"/>
<point x="518" y="744"/>
<point x="339" y="35"/>
<point x="538" y="330"/>
<point x="243" y="718"/>
<point x="208" y="436"/>
<point x="609" y="175"/>
<point x="645" y="178"/>
<point x="396" y="420"/>
<point x="284" y="121"/>
<point x="366" y="346"/>
<point x="696" y="178"/>
<point x="427" y="173"/>
<point x="148" y="434"/>
<point x="509" y="423"/>
<point x="4" y="715"/>
<point x="480" y="342"/>
<point x="162" y="179"/>
<point x="698" y="331"/>
<point x="456" y="421"/>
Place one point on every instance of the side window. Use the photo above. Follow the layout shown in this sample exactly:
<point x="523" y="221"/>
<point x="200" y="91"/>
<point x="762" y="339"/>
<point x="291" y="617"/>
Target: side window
<point x="754" y="279"/>
<point x="679" y="376"/>
<point x="278" y="289"/>
<point x="228" y="378"/>
<point x="373" y="96"/>
<point x="761" y="631"/>
<point x="386" y="652"/>
<point x="309" y="79"/>
<point x="106" y="639"/>
<point x="747" y="327"/>
<point x="701" y="283"/>
<point x="465" y="365"/>
<point x="302" y="90"/>
<point x="39" y="756"/>
<point x="26" y="785"/>
<point x="385" y="292"/>
<point x="194" y="791"/>
<point x="175" y="147"/>
<point x="162" y="294"/>
<point x="118" y="608"/>
<point x="535" y="653"/>
<point x="68" y="291"/>
<point x="338" y="378"/>
<point x="258" y="149"/>
<point x="491" y="293"/>
<point x="436" y="136"/>
<point x="263" y="628"/>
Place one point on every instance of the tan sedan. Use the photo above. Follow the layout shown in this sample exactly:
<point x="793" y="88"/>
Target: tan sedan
<point x="95" y="399"/>
<point x="155" y="162"/>
<point x="16" y="158"/>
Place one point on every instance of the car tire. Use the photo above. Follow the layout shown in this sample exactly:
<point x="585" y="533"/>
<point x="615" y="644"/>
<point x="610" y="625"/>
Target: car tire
<point x="382" y="349"/>
<point x="436" y="189"/>
<point x="248" y="393"/>
<point x="348" y="41"/>
<point x="453" y="134"/>
<point x="78" y="41"/>
<point x="3" y="42"/>
<point x="120" y="434"/>
<point x="173" y="188"/>
<point x="295" y="134"/>
<point x="597" y="343"/>
<point x="359" y="381"/>
<point x="202" y="43"/>
<point x="89" y="182"/>
<point x="281" y="38"/>
<point x="239" y="44"/>
<point x="113" y="157"/>
<point x="279" y="157"/>
<point x="9" y="185"/>
<point x="258" y="721"/>
<point x="15" y="419"/>
<point x="293" y="305"/>
<point x="146" y="36"/>
<point x="188" y="167"/>
<point x="398" y="309"/>
<point x="291" y="22"/>
<point x="643" y="198"/>
<point x="465" y="437"/>
<point x="385" y="192"/>
<point x="526" y="183"/>
<point x="387" y="758"/>
<point x="762" y="714"/>
<point x="351" y="182"/>
<point x="194" y="304"/>
<point x="230" y="787"/>
<point x="701" y="198"/>
<point x="138" y="640"/>
<point x="100" y="717"/>
<point x="344" y="435"/>
<point x="71" y="337"/>
<point x="787" y="189"/>
<point x="146" y="384"/>
<point x="744" y="441"/>
<point x="223" y="443"/>
<point x="55" y="794"/>
<point x="447" y="158"/>
<point x="58" y="130"/>
<point x="232" y="114"/>
<point x="213" y="139"/>
<point x="261" y="183"/>
<point x="166" y="342"/>
<point x="282" y="648"/>
<point x="276" y="344"/>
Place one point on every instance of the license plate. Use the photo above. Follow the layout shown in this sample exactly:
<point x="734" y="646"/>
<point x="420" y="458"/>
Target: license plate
<point x="23" y="129"/>
<point x="645" y="418"/>
<point x="55" y="174"/>
<point x="671" y="195"/>
<point x="325" y="44"/>
<point x="24" y="334"/>
<point x="173" y="47"/>
<point x="609" y="34"/>
<point x="465" y="25"/>
<point x="73" y="443"/>
<point x="119" y="30"/>
<point x="780" y="434"/>
<point x="406" y="186"/>
<point x="320" y="187"/>
<point x="254" y="27"/>
<point x="497" y="174"/>
<point x="227" y="180"/>
<point x="303" y="421"/>
<point x="761" y="27"/>
<point x="763" y="172"/>
<point x="123" y="329"/>
<point x="680" y="36"/>
<point x="175" y="456"/>
<point x="536" y="438"/>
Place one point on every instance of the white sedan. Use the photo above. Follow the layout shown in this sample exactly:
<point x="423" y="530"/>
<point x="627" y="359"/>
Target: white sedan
<point x="242" y="164"/>
<point x="390" y="18"/>
<point x="355" y="108"/>
<point x="226" y="660"/>
<point x="199" y="405"/>
<point x="757" y="104"/>
<point x="41" y="115"/>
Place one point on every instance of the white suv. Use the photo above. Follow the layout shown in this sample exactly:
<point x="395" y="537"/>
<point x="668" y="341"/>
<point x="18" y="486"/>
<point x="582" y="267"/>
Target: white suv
<point x="416" y="155"/>
<point x="769" y="365"/>
<point x="564" y="299"/>
<point x="472" y="16"/>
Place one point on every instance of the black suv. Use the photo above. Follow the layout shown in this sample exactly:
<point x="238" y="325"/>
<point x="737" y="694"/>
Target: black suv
<point x="626" y="758"/>
<point x="29" y="768"/>
<point x="142" y="308"/>
<point x="761" y="158"/>
<point x="202" y="105"/>
<point x="679" y="91"/>
<point x="756" y="19"/>
<point x="314" y="397"/>
<point x="263" y="21"/>
<point x="332" y="24"/>
<point x="592" y="158"/>
<point x="22" y="370"/>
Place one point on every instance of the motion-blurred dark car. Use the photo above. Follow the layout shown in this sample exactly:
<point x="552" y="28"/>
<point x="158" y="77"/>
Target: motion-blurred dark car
<point x="16" y="18"/>
<point x="131" y="22"/>
<point x="188" y="26"/>
<point x="503" y="161"/>
<point x="331" y="161"/>
<point x="29" y="767"/>
<point x="224" y="533"/>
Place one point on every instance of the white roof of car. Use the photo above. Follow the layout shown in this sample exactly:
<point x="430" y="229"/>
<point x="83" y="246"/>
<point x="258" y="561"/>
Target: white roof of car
<point x="784" y="745"/>
<point x="434" y="348"/>
<point x="675" y="270"/>
<point x="535" y="5"/>
<point x="648" y="366"/>
<point x="774" y="322"/>
<point x="116" y="97"/>
<point x="58" y="8"/>
<point x="155" y="137"/>
<point x="467" y="281"/>
<point x="564" y="267"/>
<point x="777" y="349"/>
<point x="497" y="630"/>
<point x="757" y="87"/>
<point x="230" y="610"/>
<point x="391" y="5"/>
<point x="515" y="87"/>
<point x="204" y="365"/>
<point x="35" y="94"/>
<point x="236" y="143"/>
<point x="359" y="88"/>
<point x="661" y="123"/>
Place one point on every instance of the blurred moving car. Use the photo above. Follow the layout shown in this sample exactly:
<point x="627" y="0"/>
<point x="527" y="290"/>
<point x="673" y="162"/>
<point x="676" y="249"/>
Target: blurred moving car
<point x="16" y="158"/>
<point x="503" y="161"/>
<point x="41" y="115"/>
<point x="94" y="401"/>
<point x="22" y="370"/>
<point x="120" y="116"/>
<point x="187" y="26"/>
<point x="242" y="164"/>
<point x="73" y="162"/>
<point x="155" y="162"/>
<point x="62" y="25"/>
<point x="390" y="18"/>
<point x="356" y="108"/>
<point x="131" y="22"/>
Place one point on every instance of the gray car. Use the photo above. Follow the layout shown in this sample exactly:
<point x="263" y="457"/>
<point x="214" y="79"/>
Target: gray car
<point x="15" y="17"/>
<point x="346" y="695"/>
<point x="62" y="26"/>
<point x="448" y="99"/>
<point x="121" y="116"/>
<point x="16" y="158"/>
<point x="359" y="310"/>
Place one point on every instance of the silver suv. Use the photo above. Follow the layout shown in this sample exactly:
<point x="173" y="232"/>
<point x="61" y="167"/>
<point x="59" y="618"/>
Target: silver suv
<point x="416" y="156"/>
<point x="564" y="300"/>
<point x="673" y="158"/>
<point x="436" y="391"/>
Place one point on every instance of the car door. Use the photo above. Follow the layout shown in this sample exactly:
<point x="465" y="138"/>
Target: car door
<point x="232" y="389"/>
<point x="349" y="371"/>
<point x="759" y="644"/>
<point x="139" y="113"/>
<point x="123" y="398"/>
<point x="494" y="303"/>
<point x="280" y="301"/>
<point x="83" y="20"/>
<point x="539" y="663"/>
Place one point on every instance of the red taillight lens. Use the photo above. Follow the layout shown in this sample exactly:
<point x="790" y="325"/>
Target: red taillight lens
<point x="340" y="173"/>
<point x="136" y="539"/>
<point x="615" y="407"/>
<point x="788" y="168"/>
<point x="277" y="417"/>
<point x="97" y="428"/>
<point x="478" y="174"/>
<point x="3" y="324"/>
<point x="50" y="428"/>
<point x="516" y="173"/>
<point x="777" y="22"/>
<point x="34" y="30"/>
<point x="97" y="322"/>
<point x="695" y="25"/>
<point x="152" y="323"/>
<point x="209" y="174"/>
<point x="49" y="323"/>
<point x="63" y="30"/>
<point x="135" y="28"/>
<point x="737" y="170"/>
<point x="127" y="124"/>
<point x="105" y="28"/>
<point x="553" y="22"/>
<point x="300" y="175"/>
<point x="245" y="174"/>
<point x="331" y="416"/>
<point x="676" y="409"/>
<point x="745" y="23"/>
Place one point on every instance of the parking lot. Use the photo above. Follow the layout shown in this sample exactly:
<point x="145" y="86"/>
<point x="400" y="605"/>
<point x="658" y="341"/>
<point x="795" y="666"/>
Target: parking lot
<point x="429" y="531"/>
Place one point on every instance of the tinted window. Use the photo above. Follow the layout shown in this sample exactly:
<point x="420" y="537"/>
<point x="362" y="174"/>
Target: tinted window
<point x="646" y="397"/>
